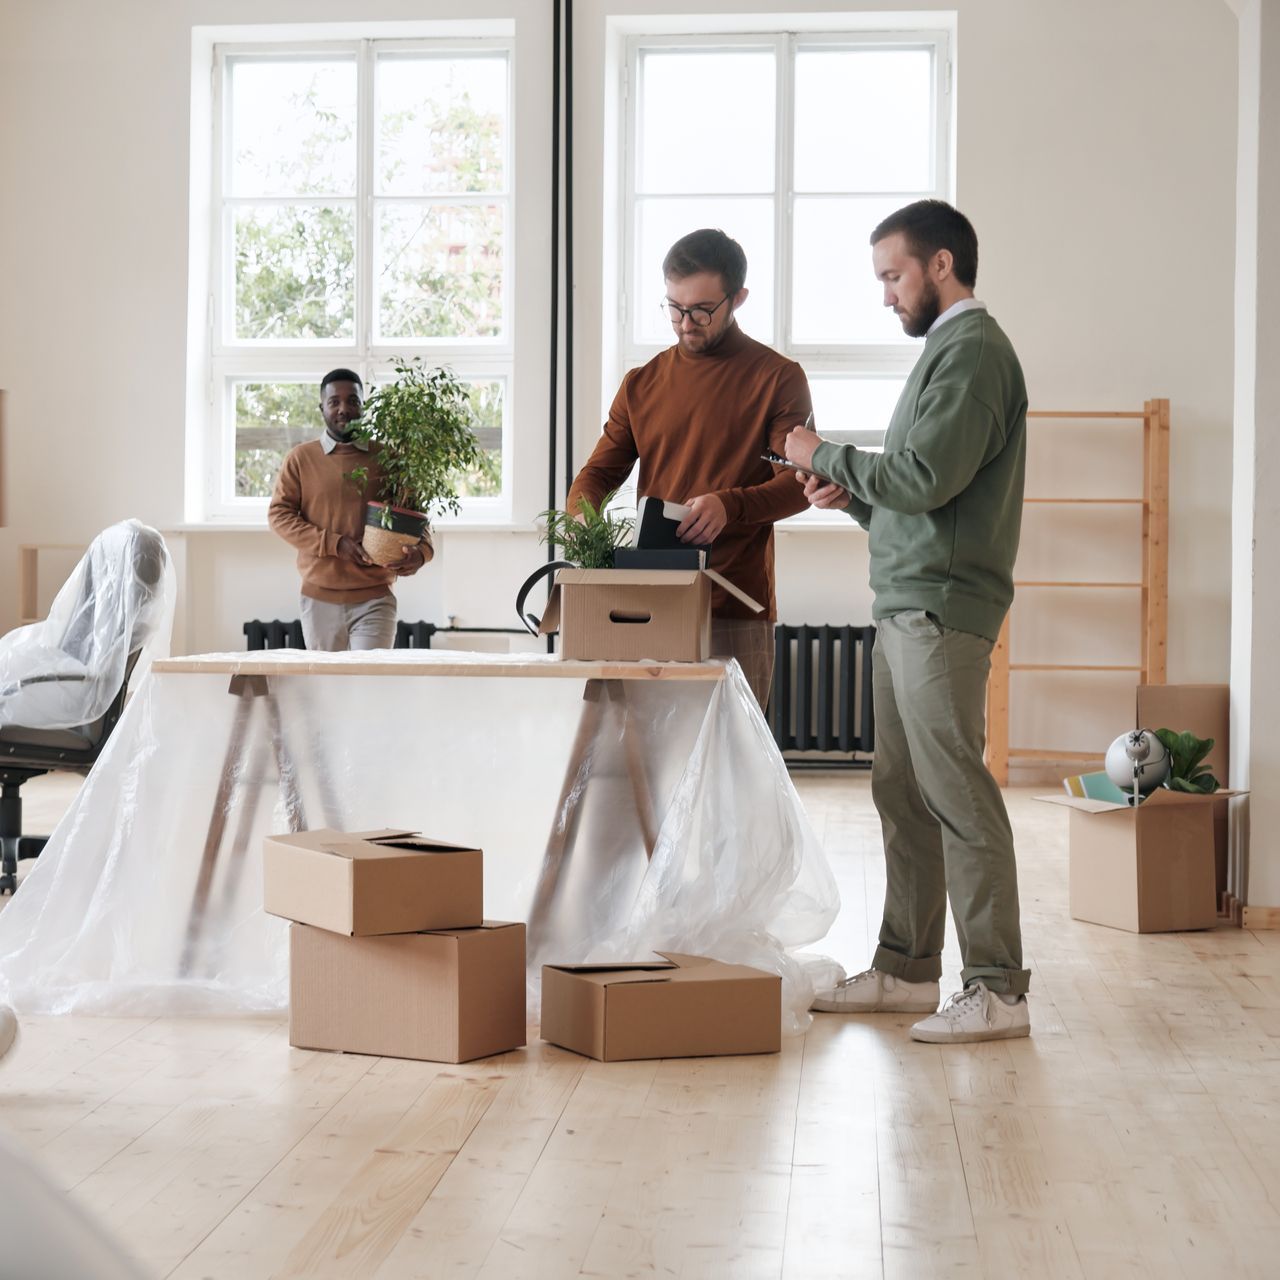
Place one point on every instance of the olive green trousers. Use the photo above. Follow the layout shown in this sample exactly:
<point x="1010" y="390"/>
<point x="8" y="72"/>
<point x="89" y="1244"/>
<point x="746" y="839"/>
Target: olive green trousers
<point x="946" y="831"/>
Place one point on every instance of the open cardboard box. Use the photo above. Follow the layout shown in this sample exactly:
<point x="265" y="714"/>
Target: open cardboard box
<point x="450" y="995"/>
<point x="1161" y="867"/>
<point x="372" y="882"/>
<point x="629" y="614"/>
<point x="1147" y="870"/>
<point x="678" y="1007"/>
<point x="1205" y="710"/>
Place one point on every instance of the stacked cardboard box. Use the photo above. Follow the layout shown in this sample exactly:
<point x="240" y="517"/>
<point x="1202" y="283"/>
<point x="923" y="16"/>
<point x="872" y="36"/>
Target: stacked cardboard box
<point x="389" y="950"/>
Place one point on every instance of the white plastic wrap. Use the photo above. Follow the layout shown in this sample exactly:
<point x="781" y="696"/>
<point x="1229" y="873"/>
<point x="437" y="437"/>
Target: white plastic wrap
<point x="64" y="672"/>
<point x="103" y="921"/>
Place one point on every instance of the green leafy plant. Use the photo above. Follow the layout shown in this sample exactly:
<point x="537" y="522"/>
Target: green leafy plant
<point x="1187" y="772"/>
<point x="588" y="542"/>
<point x="423" y="422"/>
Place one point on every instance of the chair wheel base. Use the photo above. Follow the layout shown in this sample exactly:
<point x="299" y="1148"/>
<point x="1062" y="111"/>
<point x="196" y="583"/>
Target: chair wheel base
<point x="8" y="885"/>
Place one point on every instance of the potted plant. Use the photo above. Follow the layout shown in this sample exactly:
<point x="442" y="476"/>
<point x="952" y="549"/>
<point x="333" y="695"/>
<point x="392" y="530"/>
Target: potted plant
<point x="589" y="542"/>
<point x="1187" y="770"/>
<point x="422" y="423"/>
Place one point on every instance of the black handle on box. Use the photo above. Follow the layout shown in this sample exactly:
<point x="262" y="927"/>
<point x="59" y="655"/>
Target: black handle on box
<point x="530" y="621"/>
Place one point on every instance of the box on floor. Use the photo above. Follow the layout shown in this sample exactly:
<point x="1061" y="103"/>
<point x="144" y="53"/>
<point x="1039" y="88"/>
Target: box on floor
<point x="449" y="995"/>
<point x="679" y="1007"/>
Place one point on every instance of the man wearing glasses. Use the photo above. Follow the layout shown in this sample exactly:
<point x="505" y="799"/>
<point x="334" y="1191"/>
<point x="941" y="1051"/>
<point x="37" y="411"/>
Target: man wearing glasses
<point x="698" y="417"/>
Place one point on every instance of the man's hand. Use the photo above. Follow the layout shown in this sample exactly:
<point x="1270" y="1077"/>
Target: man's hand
<point x="823" y="493"/>
<point x="800" y="445"/>
<point x="350" y="549"/>
<point x="412" y="560"/>
<point x="705" y="520"/>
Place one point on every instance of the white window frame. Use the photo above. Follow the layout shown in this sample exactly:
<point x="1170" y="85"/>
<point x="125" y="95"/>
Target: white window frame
<point x="229" y="362"/>
<point x="850" y="360"/>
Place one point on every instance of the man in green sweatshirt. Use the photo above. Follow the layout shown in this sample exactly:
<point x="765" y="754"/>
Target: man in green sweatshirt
<point x="943" y="505"/>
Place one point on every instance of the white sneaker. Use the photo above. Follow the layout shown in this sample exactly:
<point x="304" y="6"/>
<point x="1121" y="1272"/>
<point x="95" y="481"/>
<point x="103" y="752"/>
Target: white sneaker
<point x="8" y="1029"/>
<point x="877" y="992"/>
<point x="974" y="1014"/>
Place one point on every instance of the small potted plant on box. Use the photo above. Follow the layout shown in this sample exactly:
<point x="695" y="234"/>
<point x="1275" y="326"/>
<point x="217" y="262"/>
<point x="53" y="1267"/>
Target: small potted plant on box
<point x="590" y="542"/>
<point x="423" y="425"/>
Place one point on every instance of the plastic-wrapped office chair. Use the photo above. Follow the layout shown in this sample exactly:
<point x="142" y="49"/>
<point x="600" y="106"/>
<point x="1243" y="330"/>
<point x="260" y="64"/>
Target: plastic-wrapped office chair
<point x="63" y="681"/>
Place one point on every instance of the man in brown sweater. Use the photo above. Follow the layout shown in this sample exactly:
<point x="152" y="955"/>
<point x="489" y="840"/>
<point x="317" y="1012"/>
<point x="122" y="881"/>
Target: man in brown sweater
<point x="317" y="508"/>
<point x="698" y="417"/>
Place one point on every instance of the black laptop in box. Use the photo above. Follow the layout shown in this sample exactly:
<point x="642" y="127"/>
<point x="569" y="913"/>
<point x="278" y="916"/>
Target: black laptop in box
<point x="655" y="544"/>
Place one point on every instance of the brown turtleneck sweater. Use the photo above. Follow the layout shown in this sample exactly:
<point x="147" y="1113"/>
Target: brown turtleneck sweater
<point x="315" y="504"/>
<point x="698" y="425"/>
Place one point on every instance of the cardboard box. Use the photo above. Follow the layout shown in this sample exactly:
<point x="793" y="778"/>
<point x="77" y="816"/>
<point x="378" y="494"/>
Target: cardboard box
<point x="629" y="614"/>
<point x="1205" y="710"/>
<point x="372" y="882"/>
<point x="446" y="996"/>
<point x="1148" y="870"/>
<point x="681" y="1007"/>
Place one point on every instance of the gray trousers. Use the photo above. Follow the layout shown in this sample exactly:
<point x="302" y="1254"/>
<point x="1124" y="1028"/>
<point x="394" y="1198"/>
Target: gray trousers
<point x="946" y="831"/>
<point x="333" y="628"/>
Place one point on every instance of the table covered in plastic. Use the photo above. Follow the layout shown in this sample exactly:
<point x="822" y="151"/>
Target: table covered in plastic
<point x="634" y="809"/>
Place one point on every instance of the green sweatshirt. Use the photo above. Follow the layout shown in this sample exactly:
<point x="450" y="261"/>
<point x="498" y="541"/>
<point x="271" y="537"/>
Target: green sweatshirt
<point x="943" y="502"/>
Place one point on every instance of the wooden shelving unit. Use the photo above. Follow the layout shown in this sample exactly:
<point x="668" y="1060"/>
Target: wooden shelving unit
<point x="1153" y="587"/>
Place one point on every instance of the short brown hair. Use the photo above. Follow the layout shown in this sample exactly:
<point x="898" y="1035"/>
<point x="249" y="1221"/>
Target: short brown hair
<point x="707" y="250"/>
<point x="930" y="225"/>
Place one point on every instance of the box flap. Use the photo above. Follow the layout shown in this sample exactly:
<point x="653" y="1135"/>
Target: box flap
<point x="394" y="845"/>
<point x="606" y="975"/>
<point x="550" y="623"/>
<point x="734" y="591"/>
<point x="628" y="577"/>
<point x="318" y="837"/>
<point x="1160" y="796"/>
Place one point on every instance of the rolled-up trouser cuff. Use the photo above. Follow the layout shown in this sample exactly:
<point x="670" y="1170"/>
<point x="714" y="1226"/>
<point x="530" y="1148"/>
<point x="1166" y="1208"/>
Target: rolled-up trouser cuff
<point x="925" y="969"/>
<point x="1009" y="982"/>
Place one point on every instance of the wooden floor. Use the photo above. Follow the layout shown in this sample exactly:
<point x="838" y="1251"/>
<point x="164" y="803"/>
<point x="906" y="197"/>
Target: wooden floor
<point x="1137" y="1133"/>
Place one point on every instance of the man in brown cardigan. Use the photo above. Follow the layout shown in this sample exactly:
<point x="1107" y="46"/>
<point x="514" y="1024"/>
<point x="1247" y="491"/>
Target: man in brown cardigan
<point x="316" y="507"/>
<point x="698" y="417"/>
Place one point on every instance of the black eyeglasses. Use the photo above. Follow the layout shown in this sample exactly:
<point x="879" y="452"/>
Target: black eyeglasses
<point x="701" y="316"/>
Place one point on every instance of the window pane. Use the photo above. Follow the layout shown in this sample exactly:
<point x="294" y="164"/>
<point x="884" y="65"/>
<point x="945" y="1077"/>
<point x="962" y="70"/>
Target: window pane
<point x="271" y="417"/>
<point x="293" y="127"/>
<point x="836" y="296"/>
<point x="442" y="124"/>
<point x="660" y="223"/>
<point x="853" y="410"/>
<point x="439" y="271"/>
<point x="706" y="121"/>
<point x="294" y="272"/>
<point x="864" y="120"/>
<point x="487" y="405"/>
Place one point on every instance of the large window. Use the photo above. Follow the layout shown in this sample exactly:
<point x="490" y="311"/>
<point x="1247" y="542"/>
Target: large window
<point x="362" y="200"/>
<point x="796" y="145"/>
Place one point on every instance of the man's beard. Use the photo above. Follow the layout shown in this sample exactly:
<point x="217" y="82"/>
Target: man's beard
<point x="920" y="321"/>
<point x="712" y="343"/>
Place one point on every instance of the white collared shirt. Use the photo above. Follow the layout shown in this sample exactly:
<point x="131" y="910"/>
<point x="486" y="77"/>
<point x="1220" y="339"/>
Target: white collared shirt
<point x="329" y="444"/>
<point x="955" y="309"/>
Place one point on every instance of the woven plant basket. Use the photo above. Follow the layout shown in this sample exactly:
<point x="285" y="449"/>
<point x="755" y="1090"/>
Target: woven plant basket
<point x="386" y="546"/>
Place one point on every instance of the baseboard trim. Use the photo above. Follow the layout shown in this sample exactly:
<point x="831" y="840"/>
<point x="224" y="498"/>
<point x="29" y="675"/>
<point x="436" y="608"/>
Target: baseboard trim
<point x="1260" y="917"/>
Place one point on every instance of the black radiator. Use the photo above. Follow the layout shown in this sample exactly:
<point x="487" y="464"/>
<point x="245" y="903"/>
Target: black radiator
<point x="273" y="635"/>
<point x="821" y="694"/>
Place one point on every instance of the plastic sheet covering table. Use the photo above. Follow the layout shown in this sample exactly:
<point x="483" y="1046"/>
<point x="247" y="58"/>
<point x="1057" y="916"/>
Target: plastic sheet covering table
<point x="622" y="808"/>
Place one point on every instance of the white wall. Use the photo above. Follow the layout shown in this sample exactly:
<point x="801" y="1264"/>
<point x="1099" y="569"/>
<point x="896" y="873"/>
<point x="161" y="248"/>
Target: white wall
<point x="1096" y="156"/>
<point x="1255" y="685"/>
